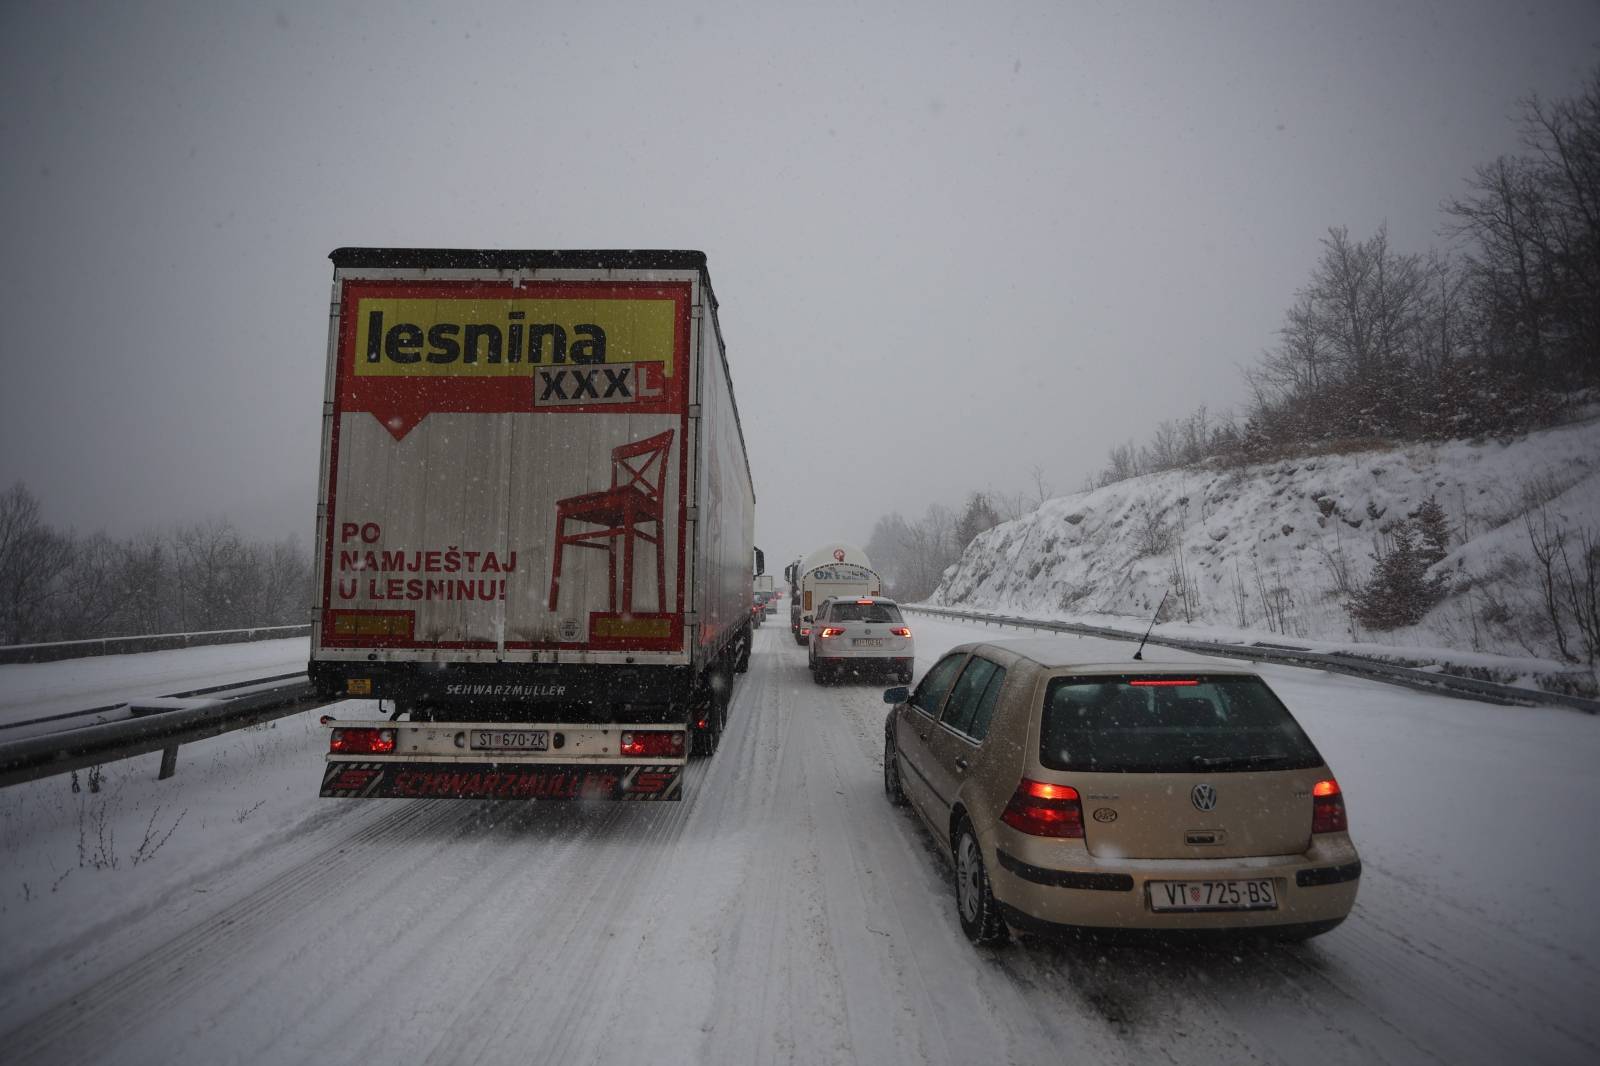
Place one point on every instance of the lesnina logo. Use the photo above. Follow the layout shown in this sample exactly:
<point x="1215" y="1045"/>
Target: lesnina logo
<point x="493" y="342"/>
<point x="508" y="337"/>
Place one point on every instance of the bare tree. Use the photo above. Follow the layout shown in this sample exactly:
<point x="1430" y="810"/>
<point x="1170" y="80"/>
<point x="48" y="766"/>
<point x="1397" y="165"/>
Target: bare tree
<point x="929" y="548"/>
<point x="32" y="559"/>
<point x="1042" y="489"/>
<point x="89" y="597"/>
<point x="215" y="576"/>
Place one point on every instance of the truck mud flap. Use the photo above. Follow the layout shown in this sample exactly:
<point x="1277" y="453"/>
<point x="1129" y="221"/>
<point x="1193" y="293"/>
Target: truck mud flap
<point x="388" y="780"/>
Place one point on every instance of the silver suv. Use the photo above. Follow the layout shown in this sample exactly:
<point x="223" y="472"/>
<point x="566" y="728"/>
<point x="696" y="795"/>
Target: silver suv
<point x="857" y="636"/>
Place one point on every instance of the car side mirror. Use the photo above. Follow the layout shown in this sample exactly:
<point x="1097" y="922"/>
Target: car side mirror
<point x="898" y="694"/>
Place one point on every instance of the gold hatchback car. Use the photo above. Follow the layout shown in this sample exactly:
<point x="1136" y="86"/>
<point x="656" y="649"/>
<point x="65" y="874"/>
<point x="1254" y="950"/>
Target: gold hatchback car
<point x="1119" y="795"/>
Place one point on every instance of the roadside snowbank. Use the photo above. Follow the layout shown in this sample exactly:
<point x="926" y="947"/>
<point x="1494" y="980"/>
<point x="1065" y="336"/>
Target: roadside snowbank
<point x="1274" y="551"/>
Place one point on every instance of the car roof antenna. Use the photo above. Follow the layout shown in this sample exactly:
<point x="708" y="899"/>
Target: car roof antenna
<point x="1139" y="655"/>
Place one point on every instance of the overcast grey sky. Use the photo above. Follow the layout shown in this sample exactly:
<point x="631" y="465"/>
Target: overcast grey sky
<point x="950" y="241"/>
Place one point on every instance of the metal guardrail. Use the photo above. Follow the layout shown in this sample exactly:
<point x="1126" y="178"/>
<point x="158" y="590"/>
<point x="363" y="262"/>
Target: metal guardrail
<point x="83" y="649"/>
<point x="30" y="758"/>
<point x="1423" y="680"/>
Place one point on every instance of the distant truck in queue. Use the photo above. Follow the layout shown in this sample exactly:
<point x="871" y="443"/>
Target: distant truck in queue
<point x="767" y="589"/>
<point x="534" y="534"/>
<point x="832" y="571"/>
<point x="791" y="576"/>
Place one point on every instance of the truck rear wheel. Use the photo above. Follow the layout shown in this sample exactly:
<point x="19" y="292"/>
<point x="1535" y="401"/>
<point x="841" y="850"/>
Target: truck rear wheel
<point x="714" y="712"/>
<point x="703" y="742"/>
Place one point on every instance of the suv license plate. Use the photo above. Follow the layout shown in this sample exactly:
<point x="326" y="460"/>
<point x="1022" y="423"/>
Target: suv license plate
<point x="868" y="642"/>
<point x="510" y="740"/>
<point x="1257" y="895"/>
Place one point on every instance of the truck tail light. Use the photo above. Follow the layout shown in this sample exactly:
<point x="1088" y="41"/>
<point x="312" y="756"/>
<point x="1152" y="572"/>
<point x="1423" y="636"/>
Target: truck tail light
<point x="1044" y="810"/>
<point x="1327" y="808"/>
<point x="901" y="631"/>
<point x="361" y="741"/>
<point x="646" y="743"/>
<point x="830" y="631"/>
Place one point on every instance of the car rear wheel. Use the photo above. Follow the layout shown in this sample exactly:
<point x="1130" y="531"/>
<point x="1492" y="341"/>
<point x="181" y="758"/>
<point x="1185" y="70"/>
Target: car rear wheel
<point x="975" y="902"/>
<point x="891" y="770"/>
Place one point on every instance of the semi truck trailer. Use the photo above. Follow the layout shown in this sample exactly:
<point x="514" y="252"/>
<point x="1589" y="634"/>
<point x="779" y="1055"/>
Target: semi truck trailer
<point x="535" y="520"/>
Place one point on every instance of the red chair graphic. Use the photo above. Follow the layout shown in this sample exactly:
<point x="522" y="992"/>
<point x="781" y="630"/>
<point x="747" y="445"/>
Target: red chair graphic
<point x="635" y="499"/>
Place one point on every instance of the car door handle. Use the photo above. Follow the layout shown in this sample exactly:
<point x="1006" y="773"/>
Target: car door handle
<point x="961" y="764"/>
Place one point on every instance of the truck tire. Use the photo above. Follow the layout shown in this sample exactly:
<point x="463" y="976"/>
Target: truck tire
<point x="703" y="742"/>
<point x="713" y="704"/>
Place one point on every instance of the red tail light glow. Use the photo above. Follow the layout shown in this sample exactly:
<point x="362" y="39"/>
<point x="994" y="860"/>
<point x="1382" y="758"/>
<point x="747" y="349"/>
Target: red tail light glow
<point x="805" y="631"/>
<point x="1044" y="810"/>
<point x="830" y="631"/>
<point x="901" y="631"/>
<point x="1162" y="682"/>
<point x="642" y="743"/>
<point x="361" y="741"/>
<point x="865" y="603"/>
<point x="1327" y="808"/>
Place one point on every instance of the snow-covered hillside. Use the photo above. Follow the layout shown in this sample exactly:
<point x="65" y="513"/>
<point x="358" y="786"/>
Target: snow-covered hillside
<point x="1275" y="550"/>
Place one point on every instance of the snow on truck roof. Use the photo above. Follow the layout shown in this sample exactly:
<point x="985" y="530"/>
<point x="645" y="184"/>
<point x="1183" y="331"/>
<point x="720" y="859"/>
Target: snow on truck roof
<point x="514" y="259"/>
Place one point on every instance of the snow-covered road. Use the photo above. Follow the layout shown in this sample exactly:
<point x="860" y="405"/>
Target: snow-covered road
<point x="784" y="912"/>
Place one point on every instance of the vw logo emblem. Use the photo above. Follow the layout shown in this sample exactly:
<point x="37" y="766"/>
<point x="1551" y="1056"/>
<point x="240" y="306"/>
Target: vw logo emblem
<point x="1204" y="797"/>
<point x="838" y="554"/>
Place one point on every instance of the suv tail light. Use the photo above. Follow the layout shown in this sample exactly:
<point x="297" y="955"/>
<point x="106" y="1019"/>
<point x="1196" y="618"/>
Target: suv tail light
<point x="901" y="631"/>
<point x="1327" y="808"/>
<point x="1044" y="810"/>
<point x="831" y="631"/>
<point x="662" y="742"/>
<point x="361" y="741"/>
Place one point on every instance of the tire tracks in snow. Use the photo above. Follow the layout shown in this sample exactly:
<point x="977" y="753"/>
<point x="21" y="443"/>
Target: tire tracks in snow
<point x="100" y="1015"/>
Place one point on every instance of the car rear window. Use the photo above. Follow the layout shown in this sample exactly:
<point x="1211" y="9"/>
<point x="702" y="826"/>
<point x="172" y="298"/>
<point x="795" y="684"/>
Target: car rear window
<point x="1140" y="724"/>
<point x="864" y="612"/>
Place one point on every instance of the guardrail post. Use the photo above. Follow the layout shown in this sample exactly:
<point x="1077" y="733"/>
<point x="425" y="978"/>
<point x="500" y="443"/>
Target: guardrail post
<point x="169" y="763"/>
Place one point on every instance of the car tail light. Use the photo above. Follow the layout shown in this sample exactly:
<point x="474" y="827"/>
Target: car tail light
<point x="361" y="741"/>
<point x="901" y="631"/>
<point x="1044" y="810"/>
<point x="655" y="742"/>
<point x="805" y="631"/>
<point x="865" y="603"/>
<point x="831" y="631"/>
<point x="1327" y="808"/>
